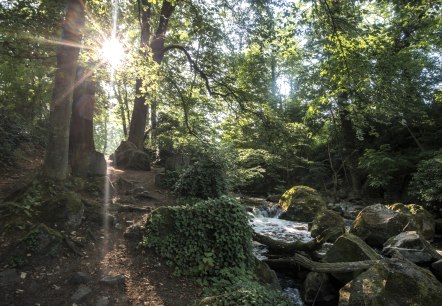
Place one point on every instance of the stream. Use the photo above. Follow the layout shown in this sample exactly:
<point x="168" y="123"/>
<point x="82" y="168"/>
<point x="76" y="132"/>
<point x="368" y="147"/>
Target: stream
<point x="266" y="222"/>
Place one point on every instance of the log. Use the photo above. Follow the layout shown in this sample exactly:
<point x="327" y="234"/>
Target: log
<point x="292" y="247"/>
<point x="324" y="267"/>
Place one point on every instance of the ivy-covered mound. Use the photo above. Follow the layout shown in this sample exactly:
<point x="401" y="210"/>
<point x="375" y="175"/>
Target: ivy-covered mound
<point x="211" y="239"/>
<point x="202" y="239"/>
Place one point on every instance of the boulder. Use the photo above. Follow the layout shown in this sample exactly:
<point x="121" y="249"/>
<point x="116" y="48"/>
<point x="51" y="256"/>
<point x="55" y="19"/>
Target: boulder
<point x="421" y="217"/>
<point x="301" y="203"/>
<point x="436" y="268"/>
<point x="64" y="211"/>
<point x="100" y="186"/>
<point x="349" y="248"/>
<point x="376" y="223"/>
<point x="128" y="156"/>
<point x="330" y="221"/>
<point x="265" y="275"/>
<point x="97" y="164"/>
<point x="319" y="287"/>
<point x="412" y="246"/>
<point x="81" y="294"/>
<point x="392" y="282"/>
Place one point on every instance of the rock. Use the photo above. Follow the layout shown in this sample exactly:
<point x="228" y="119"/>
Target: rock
<point x="103" y="301"/>
<point x="160" y="179"/>
<point x="330" y="221"/>
<point x="81" y="294"/>
<point x="412" y="246"/>
<point x="346" y="209"/>
<point x="124" y="186"/>
<point x="423" y="219"/>
<point x="176" y="162"/>
<point x="392" y="282"/>
<point x="113" y="280"/>
<point x="318" y="287"/>
<point x="274" y="198"/>
<point x="9" y="277"/>
<point x="100" y="186"/>
<point x="63" y="212"/>
<point x="438" y="226"/>
<point x="301" y="203"/>
<point x="134" y="232"/>
<point x="78" y="278"/>
<point x="266" y="275"/>
<point x="436" y="268"/>
<point x="128" y="156"/>
<point x="376" y="223"/>
<point x="97" y="164"/>
<point x="349" y="248"/>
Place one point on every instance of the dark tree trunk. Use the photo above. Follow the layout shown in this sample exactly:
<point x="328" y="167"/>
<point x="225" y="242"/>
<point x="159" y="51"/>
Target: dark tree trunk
<point x="56" y="160"/>
<point x="141" y="109"/>
<point x="348" y="136"/>
<point x="81" y="136"/>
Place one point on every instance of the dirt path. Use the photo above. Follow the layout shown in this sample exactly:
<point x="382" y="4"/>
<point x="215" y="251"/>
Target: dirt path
<point x="140" y="277"/>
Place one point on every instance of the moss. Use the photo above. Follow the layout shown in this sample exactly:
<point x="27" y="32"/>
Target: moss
<point x="301" y="203"/>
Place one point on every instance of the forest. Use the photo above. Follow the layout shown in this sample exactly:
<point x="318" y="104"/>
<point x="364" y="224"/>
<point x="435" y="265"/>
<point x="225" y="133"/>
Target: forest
<point x="219" y="152"/>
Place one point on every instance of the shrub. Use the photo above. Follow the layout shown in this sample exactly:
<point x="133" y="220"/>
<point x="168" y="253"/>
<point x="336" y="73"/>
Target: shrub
<point x="203" y="179"/>
<point x="427" y="181"/>
<point x="202" y="239"/>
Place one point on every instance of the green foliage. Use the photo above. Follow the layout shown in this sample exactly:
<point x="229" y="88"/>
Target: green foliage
<point x="202" y="239"/>
<point x="427" y="181"/>
<point x="249" y="293"/>
<point x="203" y="179"/>
<point x="382" y="166"/>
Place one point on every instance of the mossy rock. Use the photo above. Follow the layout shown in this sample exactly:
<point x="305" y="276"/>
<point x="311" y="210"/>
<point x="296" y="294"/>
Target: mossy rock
<point x="422" y="218"/>
<point x="375" y="224"/>
<point x="348" y="248"/>
<point x="128" y="156"/>
<point x="64" y="211"/>
<point x="301" y="204"/>
<point x="330" y="221"/>
<point x="392" y="282"/>
<point x="265" y="275"/>
<point x="41" y="241"/>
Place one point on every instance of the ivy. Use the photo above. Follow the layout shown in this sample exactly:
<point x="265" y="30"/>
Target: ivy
<point x="202" y="239"/>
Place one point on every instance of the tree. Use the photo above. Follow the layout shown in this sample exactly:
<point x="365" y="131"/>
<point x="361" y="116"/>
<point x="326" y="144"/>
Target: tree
<point x="56" y="160"/>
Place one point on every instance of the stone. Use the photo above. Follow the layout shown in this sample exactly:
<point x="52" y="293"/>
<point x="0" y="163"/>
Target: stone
<point x="375" y="224"/>
<point x="392" y="282"/>
<point x="64" y="212"/>
<point x="436" y="268"/>
<point x="103" y="301"/>
<point x="328" y="221"/>
<point x="319" y="287"/>
<point x="176" y="162"/>
<point x="100" y="186"/>
<point x="9" y="277"/>
<point x="124" y="186"/>
<point x="81" y="294"/>
<point x="412" y="246"/>
<point x="113" y="280"/>
<point x="347" y="248"/>
<point x="97" y="164"/>
<point x="266" y="275"/>
<point x="274" y="198"/>
<point x="40" y="241"/>
<point x="160" y="180"/>
<point x="128" y="156"/>
<point x="301" y="204"/>
<point x="78" y="278"/>
<point x="421" y="217"/>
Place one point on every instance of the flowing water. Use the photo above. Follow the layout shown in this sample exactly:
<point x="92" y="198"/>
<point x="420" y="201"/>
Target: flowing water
<point x="266" y="222"/>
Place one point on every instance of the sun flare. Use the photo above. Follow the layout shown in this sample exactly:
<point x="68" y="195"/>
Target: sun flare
<point x="112" y="52"/>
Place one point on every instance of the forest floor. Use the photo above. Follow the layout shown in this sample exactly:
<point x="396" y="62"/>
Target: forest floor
<point x="141" y="278"/>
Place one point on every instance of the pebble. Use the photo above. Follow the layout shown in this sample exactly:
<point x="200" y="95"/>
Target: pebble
<point x="81" y="294"/>
<point x="78" y="278"/>
<point x="112" y="280"/>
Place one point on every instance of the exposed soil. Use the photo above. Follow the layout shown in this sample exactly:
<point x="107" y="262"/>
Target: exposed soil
<point x="102" y="250"/>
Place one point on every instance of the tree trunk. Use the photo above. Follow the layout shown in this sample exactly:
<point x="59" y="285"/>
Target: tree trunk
<point x="117" y="93"/>
<point x="348" y="135"/>
<point x="56" y="160"/>
<point x="81" y="136"/>
<point x="140" y="112"/>
<point x="323" y="267"/>
<point x="290" y="247"/>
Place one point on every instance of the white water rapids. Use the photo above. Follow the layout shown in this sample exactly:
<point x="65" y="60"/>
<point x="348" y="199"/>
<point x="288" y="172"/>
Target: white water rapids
<point x="265" y="221"/>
